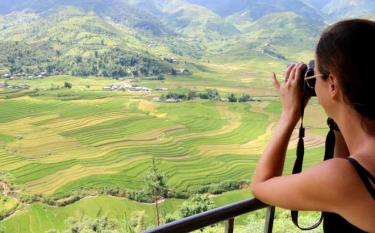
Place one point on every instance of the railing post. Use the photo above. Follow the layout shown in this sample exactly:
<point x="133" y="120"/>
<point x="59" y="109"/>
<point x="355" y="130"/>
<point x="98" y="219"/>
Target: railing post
<point x="269" y="219"/>
<point x="229" y="225"/>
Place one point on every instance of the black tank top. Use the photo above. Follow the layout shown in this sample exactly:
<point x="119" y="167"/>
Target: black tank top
<point x="334" y="223"/>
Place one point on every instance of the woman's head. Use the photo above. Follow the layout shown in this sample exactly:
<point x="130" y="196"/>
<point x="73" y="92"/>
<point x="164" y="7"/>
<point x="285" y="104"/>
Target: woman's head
<point x="347" y="50"/>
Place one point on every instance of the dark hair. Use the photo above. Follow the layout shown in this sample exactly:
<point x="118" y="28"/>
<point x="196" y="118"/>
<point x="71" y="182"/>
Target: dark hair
<point x="347" y="49"/>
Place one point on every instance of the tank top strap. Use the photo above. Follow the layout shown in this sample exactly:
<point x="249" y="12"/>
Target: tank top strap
<point x="367" y="178"/>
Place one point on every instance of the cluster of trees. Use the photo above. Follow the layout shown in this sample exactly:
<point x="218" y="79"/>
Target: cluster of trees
<point x="117" y="63"/>
<point x="21" y="58"/>
<point x="195" y="205"/>
<point x="243" y="98"/>
<point x="210" y="94"/>
<point x="223" y="186"/>
<point x="86" y="225"/>
<point x="53" y="201"/>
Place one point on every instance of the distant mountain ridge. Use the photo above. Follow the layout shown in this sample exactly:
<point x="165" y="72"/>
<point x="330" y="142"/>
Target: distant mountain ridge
<point x="258" y="8"/>
<point x="181" y="29"/>
<point x="327" y="9"/>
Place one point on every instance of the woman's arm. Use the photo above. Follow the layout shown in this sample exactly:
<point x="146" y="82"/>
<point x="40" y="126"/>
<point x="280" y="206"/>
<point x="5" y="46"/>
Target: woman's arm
<point x="271" y="162"/>
<point x="301" y="191"/>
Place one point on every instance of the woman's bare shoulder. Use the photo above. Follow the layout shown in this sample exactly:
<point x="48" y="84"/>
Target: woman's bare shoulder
<point x="345" y="183"/>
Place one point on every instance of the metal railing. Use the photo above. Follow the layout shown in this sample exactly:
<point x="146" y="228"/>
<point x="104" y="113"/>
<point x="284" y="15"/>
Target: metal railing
<point x="225" y="213"/>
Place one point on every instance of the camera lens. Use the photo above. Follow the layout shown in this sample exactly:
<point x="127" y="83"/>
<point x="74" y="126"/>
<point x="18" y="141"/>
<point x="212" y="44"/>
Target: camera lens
<point x="309" y="80"/>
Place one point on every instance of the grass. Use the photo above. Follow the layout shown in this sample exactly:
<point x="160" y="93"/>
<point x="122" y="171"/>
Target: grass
<point x="41" y="218"/>
<point x="7" y="204"/>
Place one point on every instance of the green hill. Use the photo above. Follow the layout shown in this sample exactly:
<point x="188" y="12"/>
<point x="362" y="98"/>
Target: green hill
<point x="256" y="9"/>
<point x="286" y="29"/>
<point x="336" y="9"/>
<point x="54" y="39"/>
<point x="277" y="36"/>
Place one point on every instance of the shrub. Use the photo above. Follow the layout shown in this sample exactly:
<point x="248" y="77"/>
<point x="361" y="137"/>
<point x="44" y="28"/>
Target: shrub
<point x="140" y="196"/>
<point x="244" y="98"/>
<point x="232" y="98"/>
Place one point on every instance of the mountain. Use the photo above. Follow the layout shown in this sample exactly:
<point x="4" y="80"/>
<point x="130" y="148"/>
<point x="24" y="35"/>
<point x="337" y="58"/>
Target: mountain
<point x="223" y="7"/>
<point x="317" y="4"/>
<point x="336" y="9"/>
<point x="256" y="9"/>
<point x="42" y="5"/>
<point x="151" y="30"/>
<point x="70" y="40"/>
<point x="286" y="28"/>
<point x="276" y="36"/>
<point x="329" y="10"/>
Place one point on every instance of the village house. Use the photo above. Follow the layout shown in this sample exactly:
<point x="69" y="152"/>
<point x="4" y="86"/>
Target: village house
<point x="156" y="99"/>
<point x="125" y="87"/>
<point x="172" y="100"/>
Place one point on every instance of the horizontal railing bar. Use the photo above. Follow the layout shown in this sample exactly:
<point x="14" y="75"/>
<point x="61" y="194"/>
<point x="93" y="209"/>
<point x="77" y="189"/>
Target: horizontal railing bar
<point x="210" y="217"/>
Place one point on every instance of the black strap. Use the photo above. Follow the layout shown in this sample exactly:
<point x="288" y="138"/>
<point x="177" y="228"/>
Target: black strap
<point x="330" y="139"/>
<point x="366" y="176"/>
<point x="297" y="168"/>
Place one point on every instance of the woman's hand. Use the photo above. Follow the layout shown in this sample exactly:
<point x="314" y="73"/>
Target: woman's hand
<point x="291" y="93"/>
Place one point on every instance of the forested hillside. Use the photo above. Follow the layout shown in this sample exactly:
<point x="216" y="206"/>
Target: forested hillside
<point x="84" y="37"/>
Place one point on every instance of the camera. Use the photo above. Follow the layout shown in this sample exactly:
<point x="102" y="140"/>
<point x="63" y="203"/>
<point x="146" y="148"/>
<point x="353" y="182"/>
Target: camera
<point x="308" y="84"/>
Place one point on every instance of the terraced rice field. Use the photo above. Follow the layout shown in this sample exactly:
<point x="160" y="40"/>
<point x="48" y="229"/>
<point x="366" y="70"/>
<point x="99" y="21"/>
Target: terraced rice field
<point x="54" y="146"/>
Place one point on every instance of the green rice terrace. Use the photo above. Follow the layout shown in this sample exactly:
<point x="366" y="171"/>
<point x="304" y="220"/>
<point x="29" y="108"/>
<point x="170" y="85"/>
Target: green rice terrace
<point x="83" y="152"/>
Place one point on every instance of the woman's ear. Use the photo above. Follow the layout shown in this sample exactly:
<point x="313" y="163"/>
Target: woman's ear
<point x="333" y="86"/>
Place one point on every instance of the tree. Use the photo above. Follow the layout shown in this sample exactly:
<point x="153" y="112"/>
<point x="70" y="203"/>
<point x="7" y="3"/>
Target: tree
<point x="232" y="98"/>
<point x="86" y="225"/>
<point x="213" y="94"/>
<point x="68" y="85"/>
<point x="244" y="98"/>
<point x="58" y="53"/>
<point x="191" y="95"/>
<point x="156" y="184"/>
<point x="203" y="96"/>
<point x="78" y="59"/>
<point x="160" y="77"/>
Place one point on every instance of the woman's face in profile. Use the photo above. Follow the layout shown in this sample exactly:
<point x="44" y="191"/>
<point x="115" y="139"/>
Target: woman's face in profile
<point x="322" y="89"/>
<point x="318" y="83"/>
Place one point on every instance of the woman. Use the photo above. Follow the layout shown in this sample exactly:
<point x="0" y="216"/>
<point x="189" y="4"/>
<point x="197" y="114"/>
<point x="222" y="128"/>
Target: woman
<point x="345" y="88"/>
